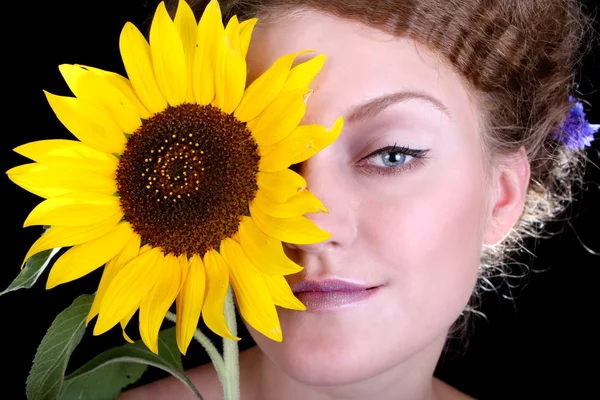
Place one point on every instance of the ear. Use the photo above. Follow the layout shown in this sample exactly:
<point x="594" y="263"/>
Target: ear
<point x="510" y="183"/>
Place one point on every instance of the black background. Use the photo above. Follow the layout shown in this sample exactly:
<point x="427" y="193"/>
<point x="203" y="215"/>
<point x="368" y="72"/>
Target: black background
<point x="541" y="344"/>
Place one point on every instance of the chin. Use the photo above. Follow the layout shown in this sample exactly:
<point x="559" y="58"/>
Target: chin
<point x="322" y="367"/>
<point x="323" y="357"/>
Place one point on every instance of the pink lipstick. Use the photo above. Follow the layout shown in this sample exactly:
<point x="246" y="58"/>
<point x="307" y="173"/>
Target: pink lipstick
<point x="331" y="294"/>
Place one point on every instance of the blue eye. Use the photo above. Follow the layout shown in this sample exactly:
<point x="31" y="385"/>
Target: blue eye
<point x="392" y="159"/>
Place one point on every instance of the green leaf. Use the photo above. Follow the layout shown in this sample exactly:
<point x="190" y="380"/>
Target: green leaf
<point x="105" y="381"/>
<point x="32" y="270"/>
<point x="46" y="378"/>
<point x="169" y="359"/>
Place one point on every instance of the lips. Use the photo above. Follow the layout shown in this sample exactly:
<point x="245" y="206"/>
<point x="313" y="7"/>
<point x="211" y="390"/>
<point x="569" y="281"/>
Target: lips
<point x="329" y="285"/>
<point x="332" y="294"/>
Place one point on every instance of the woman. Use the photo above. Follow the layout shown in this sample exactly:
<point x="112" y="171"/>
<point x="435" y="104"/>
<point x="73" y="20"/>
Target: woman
<point x="448" y="159"/>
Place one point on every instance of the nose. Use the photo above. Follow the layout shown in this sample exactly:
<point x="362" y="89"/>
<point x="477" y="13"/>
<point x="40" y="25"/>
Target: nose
<point x="325" y="178"/>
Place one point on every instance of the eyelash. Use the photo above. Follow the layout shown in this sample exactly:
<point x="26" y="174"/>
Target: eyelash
<point x="418" y="157"/>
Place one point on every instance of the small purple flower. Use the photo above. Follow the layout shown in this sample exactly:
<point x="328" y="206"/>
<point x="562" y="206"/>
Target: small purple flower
<point x="576" y="132"/>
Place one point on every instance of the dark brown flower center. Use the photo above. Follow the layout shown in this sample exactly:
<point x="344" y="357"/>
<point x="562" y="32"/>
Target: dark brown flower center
<point x="186" y="177"/>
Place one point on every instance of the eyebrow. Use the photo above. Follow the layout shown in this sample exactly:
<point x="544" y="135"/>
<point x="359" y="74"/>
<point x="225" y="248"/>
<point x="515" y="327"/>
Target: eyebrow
<point x="373" y="107"/>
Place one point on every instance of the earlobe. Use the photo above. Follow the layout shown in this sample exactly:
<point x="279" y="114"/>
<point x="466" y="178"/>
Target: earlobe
<point x="510" y="191"/>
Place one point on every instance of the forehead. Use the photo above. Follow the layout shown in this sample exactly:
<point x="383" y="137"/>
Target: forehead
<point x="362" y="63"/>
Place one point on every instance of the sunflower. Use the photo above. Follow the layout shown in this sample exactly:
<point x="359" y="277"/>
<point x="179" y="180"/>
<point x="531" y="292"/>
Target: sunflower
<point x="179" y="182"/>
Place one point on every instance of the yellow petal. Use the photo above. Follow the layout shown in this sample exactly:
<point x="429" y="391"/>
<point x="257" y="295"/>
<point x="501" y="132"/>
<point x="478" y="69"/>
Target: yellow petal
<point x="304" y="142"/>
<point x="217" y="281"/>
<point x="280" y="118"/>
<point x="302" y="74"/>
<point x="74" y="209"/>
<point x="280" y="186"/>
<point x="189" y="303"/>
<point x="65" y="236"/>
<point x="266" y="253"/>
<point x="230" y="78"/>
<point x="69" y="154"/>
<point x="246" y="29"/>
<point x="232" y="33"/>
<point x="125" y="321"/>
<point x="184" y="265"/>
<point x="108" y="274"/>
<point x="49" y="182"/>
<point x="322" y="138"/>
<point x="124" y="85"/>
<point x="137" y="59"/>
<point x="187" y="27"/>
<point x="156" y="303"/>
<point x="208" y="37"/>
<point x="265" y="88"/>
<point x="299" y="204"/>
<point x="251" y="293"/>
<point x="128" y="288"/>
<point x="84" y="258"/>
<point x="97" y="90"/>
<point x="168" y="57"/>
<point x="331" y="134"/>
<point x="281" y="292"/>
<point x="88" y="123"/>
<point x="129" y="252"/>
<point x="297" y="230"/>
<point x="282" y="155"/>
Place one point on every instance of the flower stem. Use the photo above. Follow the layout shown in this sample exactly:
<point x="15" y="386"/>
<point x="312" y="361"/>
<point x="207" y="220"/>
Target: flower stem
<point x="231" y="386"/>
<point x="209" y="347"/>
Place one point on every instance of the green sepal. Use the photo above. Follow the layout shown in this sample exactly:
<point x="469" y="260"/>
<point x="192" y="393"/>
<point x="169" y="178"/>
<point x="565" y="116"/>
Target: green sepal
<point x="35" y="265"/>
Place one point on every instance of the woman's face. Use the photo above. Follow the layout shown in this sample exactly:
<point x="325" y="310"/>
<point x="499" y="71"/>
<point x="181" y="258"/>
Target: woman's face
<point x="412" y="227"/>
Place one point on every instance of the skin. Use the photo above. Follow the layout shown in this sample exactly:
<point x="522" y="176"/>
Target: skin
<point x="417" y="229"/>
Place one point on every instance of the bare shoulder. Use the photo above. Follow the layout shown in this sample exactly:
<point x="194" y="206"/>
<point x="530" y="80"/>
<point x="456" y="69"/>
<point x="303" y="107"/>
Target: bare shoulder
<point x="443" y="391"/>
<point x="204" y="378"/>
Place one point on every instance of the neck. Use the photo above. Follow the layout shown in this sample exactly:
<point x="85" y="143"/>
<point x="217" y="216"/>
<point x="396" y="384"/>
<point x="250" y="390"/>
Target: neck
<point x="410" y="380"/>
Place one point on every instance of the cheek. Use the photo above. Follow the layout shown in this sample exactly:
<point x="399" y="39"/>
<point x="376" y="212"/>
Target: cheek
<point x="431" y="242"/>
